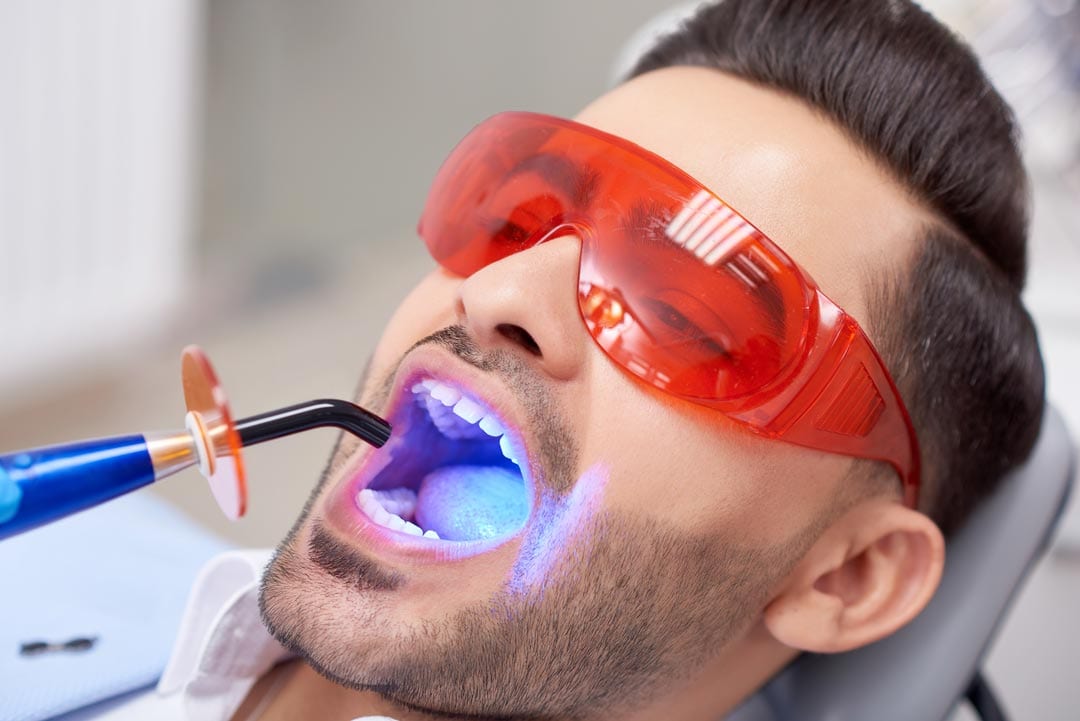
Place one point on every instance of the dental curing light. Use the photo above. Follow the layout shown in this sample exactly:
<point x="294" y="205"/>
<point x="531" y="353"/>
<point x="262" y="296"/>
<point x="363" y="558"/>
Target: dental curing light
<point x="56" y="481"/>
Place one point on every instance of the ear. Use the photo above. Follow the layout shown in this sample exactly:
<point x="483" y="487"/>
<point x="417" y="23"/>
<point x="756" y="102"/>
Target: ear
<point x="873" y="571"/>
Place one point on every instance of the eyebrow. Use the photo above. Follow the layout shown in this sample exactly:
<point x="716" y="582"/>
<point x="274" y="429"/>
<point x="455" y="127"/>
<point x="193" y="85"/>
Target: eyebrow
<point x="577" y="183"/>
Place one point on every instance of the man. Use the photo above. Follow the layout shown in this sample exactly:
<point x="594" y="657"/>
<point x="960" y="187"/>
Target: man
<point x="625" y="525"/>
<point x="672" y="561"/>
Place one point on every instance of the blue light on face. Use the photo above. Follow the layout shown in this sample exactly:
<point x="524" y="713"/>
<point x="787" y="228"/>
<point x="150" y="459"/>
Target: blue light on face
<point x="559" y="523"/>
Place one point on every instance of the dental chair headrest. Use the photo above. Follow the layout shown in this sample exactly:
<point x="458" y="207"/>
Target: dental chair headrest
<point x="921" y="671"/>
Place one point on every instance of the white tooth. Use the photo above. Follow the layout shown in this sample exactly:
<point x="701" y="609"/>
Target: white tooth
<point x="431" y="534"/>
<point x="419" y="388"/>
<point x="428" y="384"/>
<point x="491" y="426"/>
<point x="401" y="501"/>
<point x="412" y="529"/>
<point x="469" y="410"/>
<point x="504" y="444"/>
<point x="395" y="507"/>
<point x="445" y="394"/>
<point x="395" y="522"/>
<point x="367" y="501"/>
<point x="380" y="516"/>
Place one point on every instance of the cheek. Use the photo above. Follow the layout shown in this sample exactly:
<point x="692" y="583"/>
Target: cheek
<point x="690" y="468"/>
<point x="429" y="307"/>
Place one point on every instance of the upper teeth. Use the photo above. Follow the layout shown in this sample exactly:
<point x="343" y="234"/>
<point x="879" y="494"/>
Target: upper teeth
<point x="466" y="408"/>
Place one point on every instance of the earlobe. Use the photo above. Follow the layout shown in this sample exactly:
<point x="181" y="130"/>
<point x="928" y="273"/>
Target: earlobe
<point x="873" y="571"/>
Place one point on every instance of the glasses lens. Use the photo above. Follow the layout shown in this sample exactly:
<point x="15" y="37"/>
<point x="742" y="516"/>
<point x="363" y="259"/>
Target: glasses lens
<point x="706" y="309"/>
<point x="673" y="284"/>
<point x="483" y="204"/>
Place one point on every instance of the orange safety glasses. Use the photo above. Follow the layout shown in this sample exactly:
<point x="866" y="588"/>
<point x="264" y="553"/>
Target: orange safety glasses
<point x="674" y="285"/>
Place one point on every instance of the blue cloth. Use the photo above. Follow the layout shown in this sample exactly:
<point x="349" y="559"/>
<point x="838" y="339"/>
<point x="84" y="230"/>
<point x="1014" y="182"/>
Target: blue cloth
<point x="120" y="573"/>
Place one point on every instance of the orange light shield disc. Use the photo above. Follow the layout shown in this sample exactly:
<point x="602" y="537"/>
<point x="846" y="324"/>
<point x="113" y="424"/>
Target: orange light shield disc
<point x="224" y="466"/>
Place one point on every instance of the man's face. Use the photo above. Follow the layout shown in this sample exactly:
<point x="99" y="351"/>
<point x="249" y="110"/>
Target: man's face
<point x="645" y="535"/>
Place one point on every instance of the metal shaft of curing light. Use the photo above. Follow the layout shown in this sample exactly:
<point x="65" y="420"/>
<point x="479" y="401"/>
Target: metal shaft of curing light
<point x="350" y="417"/>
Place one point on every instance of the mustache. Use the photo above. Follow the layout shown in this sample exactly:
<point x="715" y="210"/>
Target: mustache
<point x="457" y="340"/>
<point x="556" y="449"/>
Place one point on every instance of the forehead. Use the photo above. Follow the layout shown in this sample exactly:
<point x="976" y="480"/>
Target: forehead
<point x="787" y="169"/>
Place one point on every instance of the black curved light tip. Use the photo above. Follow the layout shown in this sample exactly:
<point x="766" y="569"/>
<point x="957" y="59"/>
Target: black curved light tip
<point x="326" y="412"/>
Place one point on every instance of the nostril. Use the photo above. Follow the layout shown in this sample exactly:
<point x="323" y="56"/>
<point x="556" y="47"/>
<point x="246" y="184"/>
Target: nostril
<point x="517" y="334"/>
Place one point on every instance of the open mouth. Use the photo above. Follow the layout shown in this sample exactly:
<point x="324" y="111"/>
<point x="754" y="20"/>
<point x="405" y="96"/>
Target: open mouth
<point x="451" y="472"/>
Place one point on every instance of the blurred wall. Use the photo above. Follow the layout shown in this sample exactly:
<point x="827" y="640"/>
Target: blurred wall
<point x="326" y="120"/>
<point x="98" y="103"/>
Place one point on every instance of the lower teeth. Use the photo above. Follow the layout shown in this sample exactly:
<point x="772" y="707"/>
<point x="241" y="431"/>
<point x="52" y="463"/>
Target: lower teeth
<point x="390" y="508"/>
<point x="399" y="501"/>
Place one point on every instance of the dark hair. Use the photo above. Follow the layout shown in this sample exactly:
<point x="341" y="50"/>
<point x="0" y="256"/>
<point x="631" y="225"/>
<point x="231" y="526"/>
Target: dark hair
<point x="953" y="330"/>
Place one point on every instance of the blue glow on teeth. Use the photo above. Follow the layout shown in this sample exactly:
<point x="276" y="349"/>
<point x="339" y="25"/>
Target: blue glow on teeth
<point x="457" y="500"/>
<point x="465" y="408"/>
<point x="504" y="446"/>
<point x="469" y="410"/>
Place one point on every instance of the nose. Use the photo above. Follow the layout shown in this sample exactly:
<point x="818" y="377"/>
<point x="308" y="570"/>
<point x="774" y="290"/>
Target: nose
<point x="527" y="303"/>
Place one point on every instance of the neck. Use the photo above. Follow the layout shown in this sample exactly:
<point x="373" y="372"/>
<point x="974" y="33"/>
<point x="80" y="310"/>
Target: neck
<point x="295" y="690"/>
<point x="721" y="684"/>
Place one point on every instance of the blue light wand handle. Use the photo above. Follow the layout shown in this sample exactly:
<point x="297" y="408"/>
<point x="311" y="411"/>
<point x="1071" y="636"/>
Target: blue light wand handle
<point x="51" y="482"/>
<point x="41" y="485"/>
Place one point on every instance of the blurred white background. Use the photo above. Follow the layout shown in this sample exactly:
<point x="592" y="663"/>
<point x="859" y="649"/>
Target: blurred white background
<point x="247" y="175"/>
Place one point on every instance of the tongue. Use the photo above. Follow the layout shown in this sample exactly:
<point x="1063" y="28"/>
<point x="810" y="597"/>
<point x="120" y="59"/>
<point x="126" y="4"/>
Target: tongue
<point x="467" y="503"/>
